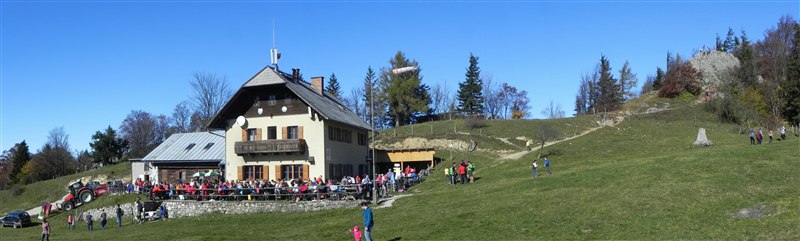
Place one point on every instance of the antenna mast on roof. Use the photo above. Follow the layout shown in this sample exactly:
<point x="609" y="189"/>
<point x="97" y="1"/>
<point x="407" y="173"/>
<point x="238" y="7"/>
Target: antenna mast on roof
<point x="274" y="55"/>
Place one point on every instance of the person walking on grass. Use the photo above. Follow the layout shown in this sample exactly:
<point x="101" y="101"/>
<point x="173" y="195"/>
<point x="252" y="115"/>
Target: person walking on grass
<point x="446" y="174"/>
<point x="752" y="137"/>
<point x="70" y="222"/>
<point x="547" y="166"/>
<point x="368" y="222"/>
<point x="462" y="172"/>
<point x="119" y="216"/>
<point x="471" y="171"/>
<point x="534" y="168"/>
<point x="770" y="136"/>
<point x="45" y="230"/>
<point x="89" y="222"/>
<point x="356" y="233"/>
<point x="759" y="136"/>
<point x="103" y="219"/>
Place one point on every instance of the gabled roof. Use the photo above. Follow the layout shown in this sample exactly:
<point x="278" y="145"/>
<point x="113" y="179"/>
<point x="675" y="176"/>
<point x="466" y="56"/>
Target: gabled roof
<point x="327" y="106"/>
<point x="208" y="146"/>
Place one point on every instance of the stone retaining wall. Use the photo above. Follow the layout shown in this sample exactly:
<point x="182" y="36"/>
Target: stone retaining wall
<point x="177" y="209"/>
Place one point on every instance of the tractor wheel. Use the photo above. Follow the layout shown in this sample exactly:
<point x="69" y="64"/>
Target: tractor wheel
<point x="67" y="206"/>
<point x="86" y="196"/>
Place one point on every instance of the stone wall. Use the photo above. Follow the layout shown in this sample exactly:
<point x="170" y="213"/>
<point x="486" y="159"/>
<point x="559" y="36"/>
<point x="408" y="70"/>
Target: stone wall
<point x="177" y="209"/>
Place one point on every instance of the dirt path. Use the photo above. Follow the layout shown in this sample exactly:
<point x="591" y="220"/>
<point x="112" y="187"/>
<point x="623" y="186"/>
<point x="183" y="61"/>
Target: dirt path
<point x="389" y="201"/>
<point x="517" y="155"/>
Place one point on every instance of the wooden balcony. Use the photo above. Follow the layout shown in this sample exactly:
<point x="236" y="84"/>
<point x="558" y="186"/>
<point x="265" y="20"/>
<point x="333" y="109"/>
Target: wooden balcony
<point x="270" y="146"/>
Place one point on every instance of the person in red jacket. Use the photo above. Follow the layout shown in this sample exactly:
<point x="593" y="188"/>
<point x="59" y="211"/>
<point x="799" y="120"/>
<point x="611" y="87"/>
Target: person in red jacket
<point x="462" y="171"/>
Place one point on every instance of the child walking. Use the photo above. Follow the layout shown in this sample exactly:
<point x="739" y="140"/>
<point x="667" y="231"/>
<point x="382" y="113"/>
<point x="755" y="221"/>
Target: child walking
<point x="356" y="233"/>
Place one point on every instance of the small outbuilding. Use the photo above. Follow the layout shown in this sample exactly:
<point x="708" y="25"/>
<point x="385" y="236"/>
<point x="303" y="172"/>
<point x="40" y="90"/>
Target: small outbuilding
<point x="397" y="159"/>
<point x="182" y="156"/>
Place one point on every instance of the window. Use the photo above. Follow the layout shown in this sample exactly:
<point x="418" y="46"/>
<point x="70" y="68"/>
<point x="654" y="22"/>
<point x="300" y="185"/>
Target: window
<point x="252" y="134"/>
<point x="339" y="134"/>
<point x="271" y="100"/>
<point x="253" y="172"/>
<point x="189" y="147"/>
<point x="272" y="133"/>
<point x="287" y="99"/>
<point x="208" y="146"/>
<point x="362" y="139"/>
<point x="292" y="132"/>
<point x="291" y="171"/>
<point x="256" y="103"/>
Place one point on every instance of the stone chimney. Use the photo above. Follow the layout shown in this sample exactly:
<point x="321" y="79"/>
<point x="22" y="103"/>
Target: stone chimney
<point x="318" y="83"/>
<point x="295" y="74"/>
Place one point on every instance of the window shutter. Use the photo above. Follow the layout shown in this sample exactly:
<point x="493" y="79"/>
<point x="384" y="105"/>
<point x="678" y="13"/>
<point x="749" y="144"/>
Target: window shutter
<point x="244" y="135"/>
<point x="305" y="171"/>
<point x="277" y="172"/>
<point x="285" y="133"/>
<point x="265" y="172"/>
<point x="299" y="132"/>
<point x="258" y="134"/>
<point x="239" y="173"/>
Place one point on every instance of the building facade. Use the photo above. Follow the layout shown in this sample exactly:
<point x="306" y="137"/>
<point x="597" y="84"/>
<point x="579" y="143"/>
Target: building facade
<point x="180" y="157"/>
<point x="277" y="126"/>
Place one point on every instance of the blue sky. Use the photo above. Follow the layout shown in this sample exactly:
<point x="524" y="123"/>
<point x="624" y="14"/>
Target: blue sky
<point x="85" y="65"/>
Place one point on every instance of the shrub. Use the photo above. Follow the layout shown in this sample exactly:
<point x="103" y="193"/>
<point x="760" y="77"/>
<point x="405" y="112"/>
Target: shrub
<point x="681" y="77"/>
<point x="475" y="122"/>
<point x="16" y="190"/>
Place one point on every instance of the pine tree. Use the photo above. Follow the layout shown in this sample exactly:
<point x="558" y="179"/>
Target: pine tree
<point x="748" y="69"/>
<point x="470" y="92"/>
<point x="20" y="156"/>
<point x="659" y="79"/>
<point x="407" y="98"/>
<point x="107" y="147"/>
<point x="333" y="87"/>
<point x="729" y="44"/>
<point x="610" y="95"/>
<point x="791" y="86"/>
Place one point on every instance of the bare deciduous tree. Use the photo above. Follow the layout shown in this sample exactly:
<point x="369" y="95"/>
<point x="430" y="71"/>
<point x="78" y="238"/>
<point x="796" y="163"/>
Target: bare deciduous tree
<point x="139" y="129"/>
<point x="628" y="81"/>
<point x="553" y="111"/>
<point x="354" y="102"/>
<point x="545" y="132"/>
<point x="492" y="100"/>
<point x="181" y="117"/>
<point x="210" y="94"/>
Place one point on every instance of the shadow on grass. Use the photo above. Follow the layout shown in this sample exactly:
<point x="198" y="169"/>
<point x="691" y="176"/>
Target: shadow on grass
<point x="395" y="239"/>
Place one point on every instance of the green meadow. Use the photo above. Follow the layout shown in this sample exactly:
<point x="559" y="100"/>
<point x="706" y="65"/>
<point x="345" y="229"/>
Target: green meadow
<point x="638" y="180"/>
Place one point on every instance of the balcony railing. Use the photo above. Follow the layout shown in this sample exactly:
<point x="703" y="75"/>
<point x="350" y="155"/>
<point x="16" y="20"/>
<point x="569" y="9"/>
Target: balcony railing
<point x="270" y="146"/>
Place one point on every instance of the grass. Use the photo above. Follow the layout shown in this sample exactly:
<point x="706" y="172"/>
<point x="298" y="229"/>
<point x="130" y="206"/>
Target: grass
<point x="641" y="179"/>
<point x="487" y="137"/>
<point x="34" y="194"/>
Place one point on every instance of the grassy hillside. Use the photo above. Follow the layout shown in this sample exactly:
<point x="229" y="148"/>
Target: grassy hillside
<point x="640" y="179"/>
<point x="34" y="194"/>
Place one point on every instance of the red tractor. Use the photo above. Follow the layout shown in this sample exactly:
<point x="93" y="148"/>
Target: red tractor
<point x="80" y="194"/>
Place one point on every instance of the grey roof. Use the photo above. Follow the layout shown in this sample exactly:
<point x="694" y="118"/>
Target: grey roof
<point x="329" y="107"/>
<point x="176" y="148"/>
<point x="266" y="76"/>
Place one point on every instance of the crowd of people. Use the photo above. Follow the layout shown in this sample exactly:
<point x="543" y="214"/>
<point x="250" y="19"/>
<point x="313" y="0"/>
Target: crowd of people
<point x="460" y="173"/>
<point x="756" y="137"/>
<point x="205" y="189"/>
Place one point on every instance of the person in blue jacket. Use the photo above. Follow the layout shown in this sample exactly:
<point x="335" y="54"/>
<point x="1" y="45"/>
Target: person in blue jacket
<point x="367" y="213"/>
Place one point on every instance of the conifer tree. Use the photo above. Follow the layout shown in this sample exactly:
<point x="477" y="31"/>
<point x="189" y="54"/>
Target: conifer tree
<point x="333" y="87"/>
<point x="470" y="92"/>
<point x="407" y="98"/>
<point x="610" y="91"/>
